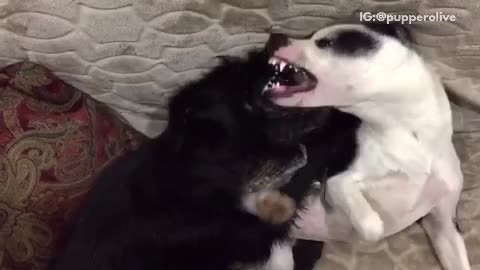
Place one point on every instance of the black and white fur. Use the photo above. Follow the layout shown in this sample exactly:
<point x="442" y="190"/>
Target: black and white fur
<point x="405" y="139"/>
<point x="180" y="201"/>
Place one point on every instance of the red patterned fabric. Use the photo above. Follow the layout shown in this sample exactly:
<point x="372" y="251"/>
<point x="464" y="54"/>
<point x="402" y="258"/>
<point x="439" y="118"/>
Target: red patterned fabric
<point x="53" y="140"/>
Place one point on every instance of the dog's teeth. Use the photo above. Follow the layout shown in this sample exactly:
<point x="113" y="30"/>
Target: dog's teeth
<point x="266" y="89"/>
<point x="296" y="69"/>
<point x="282" y="65"/>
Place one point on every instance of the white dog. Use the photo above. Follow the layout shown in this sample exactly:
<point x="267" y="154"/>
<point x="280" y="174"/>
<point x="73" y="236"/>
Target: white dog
<point x="406" y="161"/>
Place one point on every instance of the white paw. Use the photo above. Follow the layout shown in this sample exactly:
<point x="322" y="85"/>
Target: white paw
<point x="281" y="258"/>
<point x="370" y="228"/>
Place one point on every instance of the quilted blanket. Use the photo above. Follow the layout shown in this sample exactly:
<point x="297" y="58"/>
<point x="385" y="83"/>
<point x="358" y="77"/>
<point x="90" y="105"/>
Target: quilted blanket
<point x="133" y="54"/>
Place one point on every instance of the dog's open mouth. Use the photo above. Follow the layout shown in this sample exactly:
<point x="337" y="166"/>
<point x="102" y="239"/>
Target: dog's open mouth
<point x="288" y="79"/>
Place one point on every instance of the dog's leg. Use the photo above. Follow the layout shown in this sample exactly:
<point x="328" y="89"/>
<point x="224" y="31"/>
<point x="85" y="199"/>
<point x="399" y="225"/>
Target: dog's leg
<point x="447" y="241"/>
<point x="440" y="224"/>
<point x="345" y="192"/>
<point x="281" y="257"/>
<point x="271" y="206"/>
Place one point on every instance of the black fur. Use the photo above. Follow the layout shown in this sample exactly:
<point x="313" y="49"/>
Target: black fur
<point x="306" y="254"/>
<point x="174" y="203"/>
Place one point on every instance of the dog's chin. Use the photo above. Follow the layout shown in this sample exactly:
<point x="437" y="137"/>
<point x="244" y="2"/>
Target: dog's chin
<point x="313" y="99"/>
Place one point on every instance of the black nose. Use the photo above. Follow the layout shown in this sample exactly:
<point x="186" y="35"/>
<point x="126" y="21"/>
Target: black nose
<point x="276" y="41"/>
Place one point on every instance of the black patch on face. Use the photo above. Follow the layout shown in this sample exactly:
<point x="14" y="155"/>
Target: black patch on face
<point x="395" y="30"/>
<point x="348" y="42"/>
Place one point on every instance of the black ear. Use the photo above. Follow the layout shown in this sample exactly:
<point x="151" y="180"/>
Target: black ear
<point x="276" y="41"/>
<point x="226" y="59"/>
<point x="394" y="29"/>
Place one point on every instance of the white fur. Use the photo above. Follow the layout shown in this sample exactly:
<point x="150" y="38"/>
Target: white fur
<point x="405" y="140"/>
<point x="281" y="257"/>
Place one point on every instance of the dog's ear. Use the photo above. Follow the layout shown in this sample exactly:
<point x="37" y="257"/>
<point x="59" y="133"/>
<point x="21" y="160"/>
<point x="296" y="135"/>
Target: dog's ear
<point x="276" y="41"/>
<point x="226" y="59"/>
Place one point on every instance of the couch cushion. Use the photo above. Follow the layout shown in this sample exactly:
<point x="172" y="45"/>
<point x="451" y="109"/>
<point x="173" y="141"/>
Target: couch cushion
<point x="53" y="140"/>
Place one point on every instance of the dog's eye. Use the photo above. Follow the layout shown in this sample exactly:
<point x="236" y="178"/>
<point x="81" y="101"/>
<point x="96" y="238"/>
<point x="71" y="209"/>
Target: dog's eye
<point x="324" y="43"/>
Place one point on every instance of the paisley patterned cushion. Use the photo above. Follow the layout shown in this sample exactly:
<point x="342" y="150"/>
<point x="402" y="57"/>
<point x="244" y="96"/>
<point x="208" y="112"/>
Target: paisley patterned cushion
<point x="53" y="140"/>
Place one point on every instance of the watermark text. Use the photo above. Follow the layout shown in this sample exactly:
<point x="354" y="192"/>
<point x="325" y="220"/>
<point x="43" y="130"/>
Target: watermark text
<point x="405" y="19"/>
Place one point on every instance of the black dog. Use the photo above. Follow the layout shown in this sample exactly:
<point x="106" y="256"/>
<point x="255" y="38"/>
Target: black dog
<point x="176" y="203"/>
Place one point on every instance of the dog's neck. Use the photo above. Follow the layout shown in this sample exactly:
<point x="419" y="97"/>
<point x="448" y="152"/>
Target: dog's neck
<point x="423" y="110"/>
